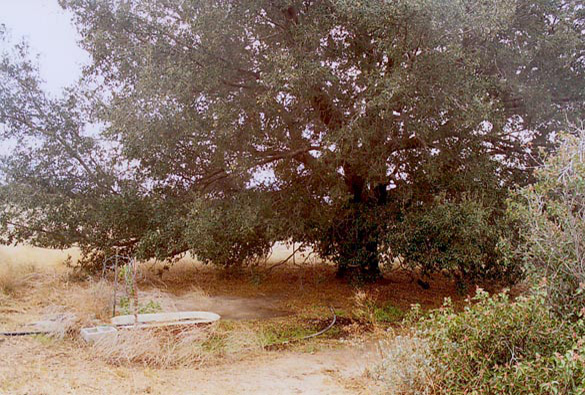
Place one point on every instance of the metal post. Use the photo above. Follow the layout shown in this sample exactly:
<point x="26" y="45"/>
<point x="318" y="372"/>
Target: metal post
<point x="115" y="281"/>
<point x="135" y="290"/>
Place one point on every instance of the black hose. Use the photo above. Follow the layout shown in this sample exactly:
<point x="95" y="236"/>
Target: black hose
<point x="311" y="335"/>
<point x="323" y="330"/>
<point x="29" y="333"/>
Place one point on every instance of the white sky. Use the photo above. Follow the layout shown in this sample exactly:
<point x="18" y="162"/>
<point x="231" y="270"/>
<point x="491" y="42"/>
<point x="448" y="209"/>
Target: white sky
<point x="50" y="34"/>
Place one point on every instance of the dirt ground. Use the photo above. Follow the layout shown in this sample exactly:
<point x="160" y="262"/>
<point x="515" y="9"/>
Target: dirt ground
<point x="32" y="367"/>
<point x="244" y="353"/>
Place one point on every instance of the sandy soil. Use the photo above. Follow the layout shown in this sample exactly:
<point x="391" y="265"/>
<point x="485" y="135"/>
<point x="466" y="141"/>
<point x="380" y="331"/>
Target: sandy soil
<point x="34" y="367"/>
<point x="228" y="307"/>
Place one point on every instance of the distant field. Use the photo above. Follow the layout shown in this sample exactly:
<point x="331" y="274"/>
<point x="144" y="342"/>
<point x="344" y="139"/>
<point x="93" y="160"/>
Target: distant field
<point x="44" y="257"/>
<point x="41" y="257"/>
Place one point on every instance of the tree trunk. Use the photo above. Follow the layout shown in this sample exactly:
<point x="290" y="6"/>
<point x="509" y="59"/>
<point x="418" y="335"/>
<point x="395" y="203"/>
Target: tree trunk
<point x="358" y="235"/>
<point x="358" y="241"/>
<point x="361" y="261"/>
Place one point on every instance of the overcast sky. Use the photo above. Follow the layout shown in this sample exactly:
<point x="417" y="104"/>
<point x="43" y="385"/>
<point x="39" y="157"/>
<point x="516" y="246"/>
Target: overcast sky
<point x="51" y="35"/>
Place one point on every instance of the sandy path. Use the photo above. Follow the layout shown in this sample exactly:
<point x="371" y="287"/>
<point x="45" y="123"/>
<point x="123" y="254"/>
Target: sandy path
<point x="34" y="369"/>
<point x="329" y="372"/>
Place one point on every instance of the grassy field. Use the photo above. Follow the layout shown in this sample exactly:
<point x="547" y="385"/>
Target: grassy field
<point x="44" y="258"/>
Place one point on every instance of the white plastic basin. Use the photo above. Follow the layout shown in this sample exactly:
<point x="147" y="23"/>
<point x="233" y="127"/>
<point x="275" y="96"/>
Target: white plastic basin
<point x="164" y="319"/>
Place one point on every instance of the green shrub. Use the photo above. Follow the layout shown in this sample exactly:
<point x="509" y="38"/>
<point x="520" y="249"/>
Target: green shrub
<point x="558" y="374"/>
<point x="535" y="344"/>
<point x="460" y="237"/>
<point x="388" y="313"/>
<point x="551" y="213"/>
<point x="229" y="232"/>
<point x="498" y="346"/>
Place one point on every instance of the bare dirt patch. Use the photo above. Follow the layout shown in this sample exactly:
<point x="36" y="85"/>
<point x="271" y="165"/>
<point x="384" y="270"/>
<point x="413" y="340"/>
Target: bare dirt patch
<point x="37" y="366"/>
<point x="228" y="307"/>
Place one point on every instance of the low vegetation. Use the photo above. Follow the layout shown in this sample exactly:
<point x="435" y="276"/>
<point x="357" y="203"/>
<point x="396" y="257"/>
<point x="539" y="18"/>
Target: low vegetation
<point x="157" y="348"/>
<point x="532" y="344"/>
<point x="498" y="346"/>
<point x="303" y="295"/>
<point x="13" y="278"/>
<point x="493" y="346"/>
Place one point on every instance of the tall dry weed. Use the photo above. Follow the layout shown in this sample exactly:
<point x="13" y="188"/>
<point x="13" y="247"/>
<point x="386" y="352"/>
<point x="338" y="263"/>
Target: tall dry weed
<point x="241" y="340"/>
<point x="57" y="322"/>
<point x="154" y="347"/>
<point x="91" y="303"/>
<point x="406" y="365"/>
<point x="15" y="278"/>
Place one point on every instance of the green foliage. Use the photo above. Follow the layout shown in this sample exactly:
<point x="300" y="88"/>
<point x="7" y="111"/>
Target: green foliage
<point x="562" y="373"/>
<point x="230" y="232"/>
<point x="388" y="313"/>
<point x="327" y="121"/>
<point x="127" y="306"/>
<point x="459" y="237"/>
<point x="534" y="344"/>
<point x="498" y="346"/>
<point x="551" y="213"/>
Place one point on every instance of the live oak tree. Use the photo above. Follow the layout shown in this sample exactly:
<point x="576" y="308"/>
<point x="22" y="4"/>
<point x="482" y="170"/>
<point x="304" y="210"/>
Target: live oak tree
<point x="347" y="126"/>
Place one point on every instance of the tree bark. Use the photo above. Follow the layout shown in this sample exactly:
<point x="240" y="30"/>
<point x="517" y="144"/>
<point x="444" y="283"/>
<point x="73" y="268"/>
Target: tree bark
<point x="358" y="235"/>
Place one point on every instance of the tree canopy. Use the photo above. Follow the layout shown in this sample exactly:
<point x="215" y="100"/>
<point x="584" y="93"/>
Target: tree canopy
<point x="342" y="125"/>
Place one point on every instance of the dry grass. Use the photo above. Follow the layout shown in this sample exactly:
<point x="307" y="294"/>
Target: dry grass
<point x="57" y="322"/>
<point x="405" y="367"/>
<point x="171" y="347"/>
<point x="41" y="257"/>
<point x="13" y="278"/>
<point x="90" y="302"/>
<point x="242" y="338"/>
<point x="307" y="290"/>
<point x="45" y="299"/>
<point x="160" y="348"/>
<point x="365" y="309"/>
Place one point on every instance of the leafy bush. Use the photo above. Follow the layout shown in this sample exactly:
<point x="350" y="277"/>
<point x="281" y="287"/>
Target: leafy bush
<point x="229" y="232"/>
<point x="552" y="215"/>
<point x="458" y="237"/>
<point x="535" y="344"/>
<point x="499" y="346"/>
